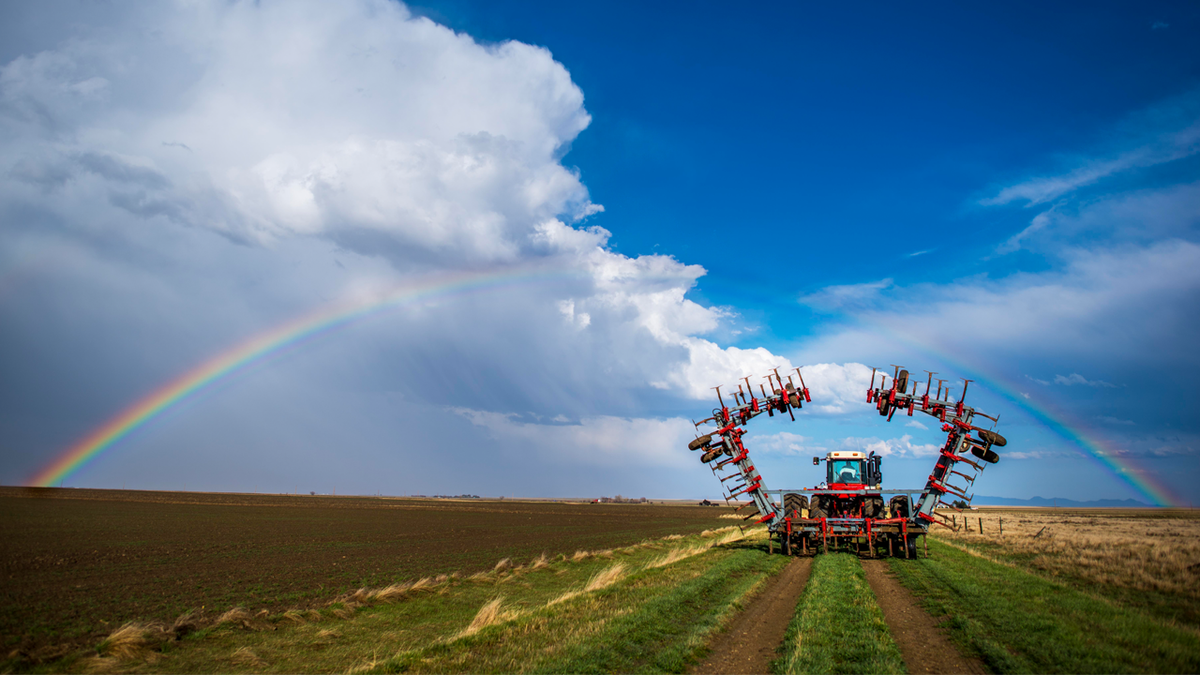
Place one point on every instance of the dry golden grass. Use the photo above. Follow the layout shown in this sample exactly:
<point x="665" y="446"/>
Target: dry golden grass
<point x="489" y="614"/>
<point x="131" y="641"/>
<point x="504" y="564"/>
<point x="237" y="615"/>
<point x="606" y="578"/>
<point x="675" y="555"/>
<point x="246" y="657"/>
<point x="1146" y="550"/>
<point x="539" y="562"/>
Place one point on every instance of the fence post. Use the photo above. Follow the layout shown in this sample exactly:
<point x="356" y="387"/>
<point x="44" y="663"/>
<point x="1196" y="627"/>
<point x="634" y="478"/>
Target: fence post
<point x="1001" y="526"/>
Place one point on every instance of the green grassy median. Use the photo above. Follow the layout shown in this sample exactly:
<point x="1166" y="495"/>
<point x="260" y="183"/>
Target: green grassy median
<point x="838" y="627"/>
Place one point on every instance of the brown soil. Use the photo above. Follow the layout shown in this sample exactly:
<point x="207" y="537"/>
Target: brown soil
<point x="748" y="646"/>
<point x="925" y="648"/>
<point x="75" y="564"/>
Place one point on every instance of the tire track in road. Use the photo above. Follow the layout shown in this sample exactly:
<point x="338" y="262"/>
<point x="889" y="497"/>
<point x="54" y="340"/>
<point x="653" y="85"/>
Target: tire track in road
<point x="748" y="645"/>
<point x="925" y="648"/>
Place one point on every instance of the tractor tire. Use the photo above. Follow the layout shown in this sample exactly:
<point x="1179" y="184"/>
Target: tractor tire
<point x="710" y="456"/>
<point x="700" y="442"/>
<point x="873" y="507"/>
<point x="992" y="438"/>
<point x="900" y="507"/>
<point x="794" y="505"/>
<point x="816" y="509"/>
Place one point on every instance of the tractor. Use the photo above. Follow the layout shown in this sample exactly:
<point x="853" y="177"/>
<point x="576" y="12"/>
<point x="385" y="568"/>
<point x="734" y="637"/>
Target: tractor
<point x="850" y="509"/>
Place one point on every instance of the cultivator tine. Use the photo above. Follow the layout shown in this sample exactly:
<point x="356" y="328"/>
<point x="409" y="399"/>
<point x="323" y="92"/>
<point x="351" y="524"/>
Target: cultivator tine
<point x="969" y="479"/>
<point x="941" y="519"/>
<point x="803" y="387"/>
<point x="960" y="458"/>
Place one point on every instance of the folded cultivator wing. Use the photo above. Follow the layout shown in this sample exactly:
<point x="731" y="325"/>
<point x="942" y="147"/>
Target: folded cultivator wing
<point x="850" y="509"/>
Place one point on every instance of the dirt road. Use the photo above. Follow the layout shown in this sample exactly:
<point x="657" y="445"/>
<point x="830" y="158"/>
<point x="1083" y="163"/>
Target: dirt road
<point x="749" y="644"/>
<point x="925" y="648"/>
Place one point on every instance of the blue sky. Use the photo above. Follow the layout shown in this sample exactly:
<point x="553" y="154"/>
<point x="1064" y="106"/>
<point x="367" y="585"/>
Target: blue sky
<point x="1007" y="190"/>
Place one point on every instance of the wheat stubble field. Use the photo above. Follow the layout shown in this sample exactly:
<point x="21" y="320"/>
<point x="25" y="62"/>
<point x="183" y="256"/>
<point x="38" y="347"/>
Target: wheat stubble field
<point x="112" y="581"/>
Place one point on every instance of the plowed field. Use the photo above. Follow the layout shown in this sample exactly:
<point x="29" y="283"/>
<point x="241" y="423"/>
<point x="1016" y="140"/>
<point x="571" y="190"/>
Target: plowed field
<point x="77" y="563"/>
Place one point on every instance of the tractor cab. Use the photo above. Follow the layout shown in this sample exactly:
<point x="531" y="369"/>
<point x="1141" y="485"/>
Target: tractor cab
<point x="851" y="470"/>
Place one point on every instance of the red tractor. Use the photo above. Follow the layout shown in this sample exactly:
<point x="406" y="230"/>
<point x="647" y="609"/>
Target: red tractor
<point x="850" y="509"/>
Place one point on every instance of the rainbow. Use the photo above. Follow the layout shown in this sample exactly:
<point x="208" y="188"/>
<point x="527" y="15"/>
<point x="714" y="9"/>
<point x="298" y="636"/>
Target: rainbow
<point x="275" y="341"/>
<point x="300" y="331"/>
<point x="1093" y="445"/>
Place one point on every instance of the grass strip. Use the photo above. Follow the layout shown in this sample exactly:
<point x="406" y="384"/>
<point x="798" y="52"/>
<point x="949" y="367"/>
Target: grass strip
<point x="668" y="630"/>
<point x="656" y="620"/>
<point x="838" y="626"/>
<point x="1019" y="622"/>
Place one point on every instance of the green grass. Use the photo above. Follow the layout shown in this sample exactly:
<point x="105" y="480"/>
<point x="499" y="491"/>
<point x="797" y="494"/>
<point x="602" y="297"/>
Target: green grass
<point x="657" y="620"/>
<point x="838" y="626"/>
<point x="1019" y="622"/>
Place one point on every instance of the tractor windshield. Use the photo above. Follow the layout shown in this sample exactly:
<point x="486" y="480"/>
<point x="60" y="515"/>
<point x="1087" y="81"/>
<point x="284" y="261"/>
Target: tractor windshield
<point x="845" y="471"/>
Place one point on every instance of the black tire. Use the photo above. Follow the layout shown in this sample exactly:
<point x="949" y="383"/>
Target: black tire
<point x="793" y="504"/>
<point x="900" y="507"/>
<point x="902" y="382"/>
<point x="986" y="454"/>
<point x="873" y="507"/>
<point x="786" y="545"/>
<point x="816" y="508"/>
<point x="885" y="406"/>
<point x="992" y="438"/>
<point x="700" y="442"/>
<point x="710" y="456"/>
<point x="911" y="545"/>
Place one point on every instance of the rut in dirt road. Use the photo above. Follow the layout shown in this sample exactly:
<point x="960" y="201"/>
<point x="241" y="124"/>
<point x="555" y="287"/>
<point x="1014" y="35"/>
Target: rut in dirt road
<point x="925" y="648"/>
<point x="748" y="646"/>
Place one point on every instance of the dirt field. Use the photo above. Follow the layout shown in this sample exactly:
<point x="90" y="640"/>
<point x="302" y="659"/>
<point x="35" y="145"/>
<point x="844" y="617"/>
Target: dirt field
<point x="77" y="563"/>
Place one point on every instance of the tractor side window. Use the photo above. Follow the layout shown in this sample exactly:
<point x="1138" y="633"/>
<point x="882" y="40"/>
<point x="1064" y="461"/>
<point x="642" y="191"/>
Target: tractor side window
<point x="845" y="471"/>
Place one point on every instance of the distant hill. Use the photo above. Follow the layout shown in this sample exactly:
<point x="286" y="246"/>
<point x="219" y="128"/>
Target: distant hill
<point x="982" y="500"/>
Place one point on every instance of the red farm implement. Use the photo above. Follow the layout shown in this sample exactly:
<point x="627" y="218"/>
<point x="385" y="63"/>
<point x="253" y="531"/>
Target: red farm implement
<point x="850" y="510"/>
